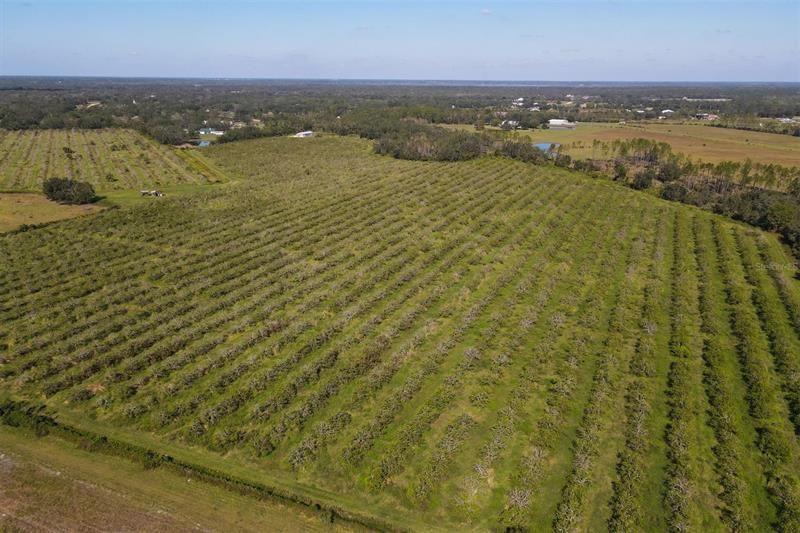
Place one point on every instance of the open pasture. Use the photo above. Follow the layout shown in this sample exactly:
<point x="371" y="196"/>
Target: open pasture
<point x="471" y="346"/>
<point x="699" y="141"/>
<point x="110" y="159"/>
<point x="696" y="140"/>
<point x="17" y="209"/>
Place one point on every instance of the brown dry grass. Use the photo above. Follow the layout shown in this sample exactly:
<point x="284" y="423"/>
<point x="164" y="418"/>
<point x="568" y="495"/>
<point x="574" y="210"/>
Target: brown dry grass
<point x="46" y="484"/>
<point x="17" y="209"/>
<point x="700" y="141"/>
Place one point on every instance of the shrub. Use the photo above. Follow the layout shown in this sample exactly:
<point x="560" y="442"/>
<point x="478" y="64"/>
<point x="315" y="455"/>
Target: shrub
<point x="585" y="165"/>
<point x="563" y="161"/>
<point x="669" y="171"/>
<point x="674" y="191"/>
<point x="68" y="191"/>
<point x="643" y="180"/>
<point x="620" y="171"/>
<point x="522" y="151"/>
<point x="166" y="134"/>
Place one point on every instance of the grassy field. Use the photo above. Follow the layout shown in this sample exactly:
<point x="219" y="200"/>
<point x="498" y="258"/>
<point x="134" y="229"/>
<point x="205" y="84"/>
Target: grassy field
<point x="17" y="209"/>
<point x="696" y="140"/>
<point x="444" y="346"/>
<point x="108" y="159"/>
<point x="50" y="485"/>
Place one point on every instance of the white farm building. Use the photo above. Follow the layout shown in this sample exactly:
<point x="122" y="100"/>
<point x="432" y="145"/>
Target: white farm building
<point x="560" y="124"/>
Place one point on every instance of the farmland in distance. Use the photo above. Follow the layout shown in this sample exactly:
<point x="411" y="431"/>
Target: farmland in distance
<point x="110" y="159"/>
<point x="473" y="345"/>
<point x="699" y="141"/>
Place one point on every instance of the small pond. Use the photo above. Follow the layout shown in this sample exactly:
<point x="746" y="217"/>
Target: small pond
<point x="544" y="147"/>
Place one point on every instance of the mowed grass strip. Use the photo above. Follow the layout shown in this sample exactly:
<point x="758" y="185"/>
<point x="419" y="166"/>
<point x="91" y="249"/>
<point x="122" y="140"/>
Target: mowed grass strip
<point x="691" y="494"/>
<point x="550" y="381"/>
<point x="544" y="303"/>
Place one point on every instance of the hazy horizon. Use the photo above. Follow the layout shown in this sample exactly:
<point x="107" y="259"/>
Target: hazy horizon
<point x="574" y="40"/>
<point x="409" y="81"/>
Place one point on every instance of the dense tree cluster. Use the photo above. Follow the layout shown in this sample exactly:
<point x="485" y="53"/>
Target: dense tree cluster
<point x="271" y="130"/>
<point x="770" y="210"/>
<point x="68" y="191"/>
<point x="671" y="166"/>
<point x="430" y="144"/>
<point x="165" y="134"/>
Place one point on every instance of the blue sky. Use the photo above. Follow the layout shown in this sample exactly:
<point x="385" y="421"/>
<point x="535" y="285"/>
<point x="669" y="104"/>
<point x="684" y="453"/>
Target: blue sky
<point x="636" y="40"/>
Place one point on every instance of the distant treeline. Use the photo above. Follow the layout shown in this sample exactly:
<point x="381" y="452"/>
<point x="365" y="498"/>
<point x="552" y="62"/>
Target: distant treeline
<point x="752" y="122"/>
<point x="766" y="196"/>
<point x="173" y="110"/>
<point x="640" y="151"/>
